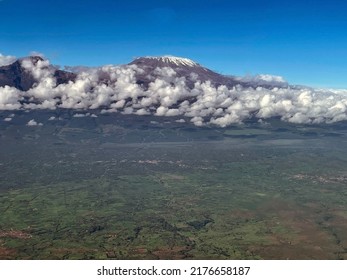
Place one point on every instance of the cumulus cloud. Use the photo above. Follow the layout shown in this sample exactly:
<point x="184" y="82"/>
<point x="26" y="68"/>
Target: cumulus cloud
<point x="79" y="115"/>
<point x="180" y="121"/>
<point x="116" y="89"/>
<point x="10" y="98"/>
<point x="53" y="118"/>
<point x="6" y="59"/>
<point x="39" y="69"/>
<point x="33" y="123"/>
<point x="265" y="79"/>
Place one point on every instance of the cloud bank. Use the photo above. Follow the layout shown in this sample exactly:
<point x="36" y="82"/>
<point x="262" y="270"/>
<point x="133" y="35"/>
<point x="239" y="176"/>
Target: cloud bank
<point x="115" y="89"/>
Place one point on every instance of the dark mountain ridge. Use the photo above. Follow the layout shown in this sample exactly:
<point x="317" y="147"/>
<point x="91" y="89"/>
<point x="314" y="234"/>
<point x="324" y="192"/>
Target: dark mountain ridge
<point x="15" y="75"/>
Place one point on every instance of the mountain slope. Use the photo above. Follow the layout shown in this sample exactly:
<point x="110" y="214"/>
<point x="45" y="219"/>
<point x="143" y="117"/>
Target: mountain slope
<point x="16" y="75"/>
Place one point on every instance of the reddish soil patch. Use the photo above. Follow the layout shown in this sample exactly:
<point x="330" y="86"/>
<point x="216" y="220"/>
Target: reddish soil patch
<point x="140" y="251"/>
<point x="72" y="250"/>
<point x="66" y="253"/>
<point x="290" y="252"/>
<point x="15" y="234"/>
<point x="306" y="239"/>
<point x="174" y="253"/>
<point x="6" y="253"/>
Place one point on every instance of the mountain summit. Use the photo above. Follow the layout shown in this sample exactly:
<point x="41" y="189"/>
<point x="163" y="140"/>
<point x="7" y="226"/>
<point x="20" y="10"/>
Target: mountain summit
<point x="18" y="74"/>
<point x="166" y="61"/>
<point x="183" y="67"/>
<point x="15" y="75"/>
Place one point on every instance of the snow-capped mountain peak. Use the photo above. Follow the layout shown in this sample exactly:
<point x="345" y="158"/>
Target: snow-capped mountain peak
<point x="170" y="60"/>
<point x="179" y="61"/>
<point x="183" y="67"/>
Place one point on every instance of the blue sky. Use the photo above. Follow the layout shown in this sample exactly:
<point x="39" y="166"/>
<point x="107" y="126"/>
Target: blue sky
<point x="303" y="41"/>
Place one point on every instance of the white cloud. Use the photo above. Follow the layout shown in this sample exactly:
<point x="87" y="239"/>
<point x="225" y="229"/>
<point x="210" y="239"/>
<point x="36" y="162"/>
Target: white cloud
<point x="270" y="78"/>
<point x="6" y="59"/>
<point x="142" y="112"/>
<point x="9" y="98"/>
<point x="180" y="121"/>
<point x="78" y="115"/>
<point x="265" y="79"/>
<point x="33" y="123"/>
<point x="40" y="70"/>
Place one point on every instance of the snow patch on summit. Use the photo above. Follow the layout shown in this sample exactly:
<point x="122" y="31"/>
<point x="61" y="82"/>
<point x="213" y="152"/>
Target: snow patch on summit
<point x="179" y="61"/>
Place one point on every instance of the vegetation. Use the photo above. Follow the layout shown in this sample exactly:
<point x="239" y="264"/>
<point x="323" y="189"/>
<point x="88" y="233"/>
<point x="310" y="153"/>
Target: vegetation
<point x="117" y="188"/>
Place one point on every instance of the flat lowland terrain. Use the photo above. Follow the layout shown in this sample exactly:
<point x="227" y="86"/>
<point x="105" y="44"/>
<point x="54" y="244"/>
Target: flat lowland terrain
<point x="121" y="187"/>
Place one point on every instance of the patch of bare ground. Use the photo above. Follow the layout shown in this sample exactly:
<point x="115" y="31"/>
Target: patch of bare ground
<point x="65" y="253"/>
<point x="173" y="253"/>
<point x="336" y="224"/>
<point x="140" y="251"/>
<point x="140" y="254"/>
<point x="15" y="234"/>
<point x="7" y="253"/>
<point x="322" y="178"/>
<point x="288" y="252"/>
<point x="173" y="177"/>
<point x="301" y="238"/>
<point x="242" y="214"/>
<point x="72" y="250"/>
